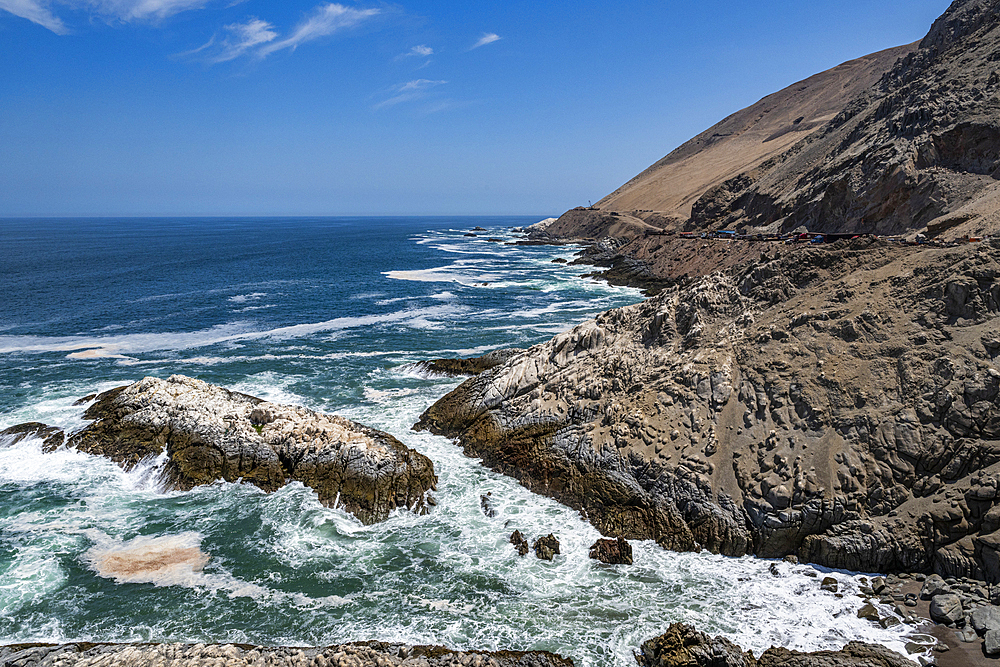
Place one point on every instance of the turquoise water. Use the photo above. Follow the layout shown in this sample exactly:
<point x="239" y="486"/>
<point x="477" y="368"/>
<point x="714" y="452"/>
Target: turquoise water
<point x="331" y="314"/>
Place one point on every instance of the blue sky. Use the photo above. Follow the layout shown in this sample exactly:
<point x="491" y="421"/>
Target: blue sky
<point x="249" y="107"/>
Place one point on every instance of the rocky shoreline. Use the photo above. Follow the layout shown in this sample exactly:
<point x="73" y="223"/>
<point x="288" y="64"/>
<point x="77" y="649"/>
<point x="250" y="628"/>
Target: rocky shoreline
<point x="368" y="654"/>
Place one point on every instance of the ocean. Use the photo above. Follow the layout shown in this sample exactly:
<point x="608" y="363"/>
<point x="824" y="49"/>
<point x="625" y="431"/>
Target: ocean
<point x="333" y="314"/>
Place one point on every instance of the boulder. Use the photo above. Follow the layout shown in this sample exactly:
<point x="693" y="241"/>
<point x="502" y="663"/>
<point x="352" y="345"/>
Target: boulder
<point x="946" y="608"/>
<point x="986" y="618"/>
<point x="209" y="433"/>
<point x="933" y="585"/>
<point x="546" y="547"/>
<point x="991" y="643"/>
<point x="829" y="584"/>
<point x="613" y="552"/>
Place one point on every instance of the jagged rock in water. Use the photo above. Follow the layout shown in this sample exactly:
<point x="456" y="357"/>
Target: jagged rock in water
<point x="546" y="547"/>
<point x="369" y="654"/>
<point x="612" y="552"/>
<point x="52" y="436"/>
<point x="210" y="433"/>
<point x="486" y="502"/>
<point x="836" y="403"/>
<point x="520" y="544"/>
<point x="683" y="646"/>
<point x="470" y="366"/>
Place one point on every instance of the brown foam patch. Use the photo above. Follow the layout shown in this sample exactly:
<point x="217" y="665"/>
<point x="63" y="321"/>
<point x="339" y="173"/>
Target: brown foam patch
<point x="170" y="560"/>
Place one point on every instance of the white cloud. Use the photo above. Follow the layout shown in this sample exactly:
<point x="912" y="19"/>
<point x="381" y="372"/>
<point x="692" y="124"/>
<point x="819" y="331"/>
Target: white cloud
<point x="243" y="37"/>
<point x="35" y="11"/>
<point x="325" y="20"/>
<point x="410" y="92"/>
<point x="421" y="51"/>
<point x="141" y="10"/>
<point x="487" y="38"/>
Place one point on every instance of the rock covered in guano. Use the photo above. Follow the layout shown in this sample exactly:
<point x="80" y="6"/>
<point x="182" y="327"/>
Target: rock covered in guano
<point x="210" y="433"/>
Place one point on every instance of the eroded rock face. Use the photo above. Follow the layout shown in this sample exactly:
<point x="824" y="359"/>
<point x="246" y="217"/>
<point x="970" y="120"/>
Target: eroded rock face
<point x="370" y="654"/>
<point x="683" y="646"/>
<point x="834" y="403"/>
<point x="210" y="433"/>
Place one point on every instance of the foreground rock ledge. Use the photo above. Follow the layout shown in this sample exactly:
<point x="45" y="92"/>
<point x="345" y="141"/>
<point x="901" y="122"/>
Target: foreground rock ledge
<point x="837" y="403"/>
<point x="683" y="646"/>
<point x="371" y="654"/>
<point x="210" y="433"/>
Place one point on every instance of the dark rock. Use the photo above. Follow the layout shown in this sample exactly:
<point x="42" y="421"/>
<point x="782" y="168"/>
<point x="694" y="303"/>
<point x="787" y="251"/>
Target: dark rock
<point x="946" y="608"/>
<point x="546" y="547"/>
<point x="613" y="552"/>
<point x="869" y="612"/>
<point x="51" y="436"/>
<point x="829" y="584"/>
<point x="520" y="544"/>
<point x="878" y="585"/>
<point x="486" y="502"/>
<point x="470" y="366"/>
<point x="86" y="399"/>
<point x="683" y="646"/>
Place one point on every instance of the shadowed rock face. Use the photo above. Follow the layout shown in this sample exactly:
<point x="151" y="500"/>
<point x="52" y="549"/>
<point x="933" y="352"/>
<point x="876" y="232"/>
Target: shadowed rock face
<point x="209" y="433"/>
<point x="683" y="646"/>
<point x="838" y="403"/>
<point x="370" y="654"/>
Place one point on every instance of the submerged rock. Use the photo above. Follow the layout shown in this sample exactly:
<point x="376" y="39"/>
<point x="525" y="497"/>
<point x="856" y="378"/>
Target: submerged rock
<point x="209" y="433"/>
<point x="612" y="552"/>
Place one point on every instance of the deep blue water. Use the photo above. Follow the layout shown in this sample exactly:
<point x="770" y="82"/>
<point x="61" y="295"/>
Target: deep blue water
<point x="330" y="313"/>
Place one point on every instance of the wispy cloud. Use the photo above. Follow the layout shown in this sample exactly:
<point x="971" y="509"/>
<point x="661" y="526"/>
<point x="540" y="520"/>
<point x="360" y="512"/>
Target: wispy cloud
<point x="487" y="38"/>
<point x="143" y="10"/>
<point x="411" y="91"/>
<point x="126" y="11"/>
<point x="420" y="51"/>
<point x="37" y="12"/>
<point x="325" y="20"/>
<point x="243" y="37"/>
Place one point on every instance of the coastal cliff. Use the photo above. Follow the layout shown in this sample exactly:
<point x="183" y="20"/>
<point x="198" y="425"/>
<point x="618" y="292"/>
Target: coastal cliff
<point x="839" y="403"/>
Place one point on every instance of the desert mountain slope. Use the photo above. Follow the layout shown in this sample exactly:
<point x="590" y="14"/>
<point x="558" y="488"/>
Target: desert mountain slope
<point x="902" y="141"/>
<point x="748" y="137"/>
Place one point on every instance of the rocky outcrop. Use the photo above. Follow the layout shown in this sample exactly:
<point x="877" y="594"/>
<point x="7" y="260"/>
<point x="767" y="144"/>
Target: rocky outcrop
<point x="209" y="433"/>
<point x="470" y="366"/>
<point x="683" y="646"/>
<point x="837" y="402"/>
<point x="370" y="654"/>
<point x="612" y="552"/>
